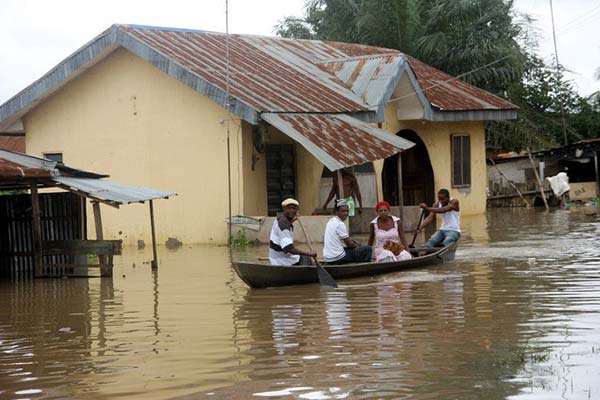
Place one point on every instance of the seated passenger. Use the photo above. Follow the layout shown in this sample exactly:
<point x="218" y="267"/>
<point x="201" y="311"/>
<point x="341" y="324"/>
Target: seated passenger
<point x="338" y="247"/>
<point x="385" y="228"/>
<point x="281" y="243"/>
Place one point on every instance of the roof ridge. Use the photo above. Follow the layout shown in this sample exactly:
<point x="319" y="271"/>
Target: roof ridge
<point x="358" y="58"/>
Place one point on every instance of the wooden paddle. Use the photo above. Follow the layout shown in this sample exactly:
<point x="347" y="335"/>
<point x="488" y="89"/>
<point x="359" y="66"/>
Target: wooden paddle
<point x="412" y="244"/>
<point x="324" y="278"/>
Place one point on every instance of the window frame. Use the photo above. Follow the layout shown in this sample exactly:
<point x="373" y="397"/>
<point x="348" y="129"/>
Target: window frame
<point x="462" y="161"/>
<point x="49" y="154"/>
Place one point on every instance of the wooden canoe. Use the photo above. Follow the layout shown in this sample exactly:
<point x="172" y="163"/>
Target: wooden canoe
<point x="258" y="275"/>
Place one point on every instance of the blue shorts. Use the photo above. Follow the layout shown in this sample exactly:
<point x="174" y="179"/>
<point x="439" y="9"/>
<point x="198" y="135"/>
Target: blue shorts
<point x="442" y="238"/>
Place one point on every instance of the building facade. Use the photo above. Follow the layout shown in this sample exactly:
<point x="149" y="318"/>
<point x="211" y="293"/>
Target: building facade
<point x="146" y="105"/>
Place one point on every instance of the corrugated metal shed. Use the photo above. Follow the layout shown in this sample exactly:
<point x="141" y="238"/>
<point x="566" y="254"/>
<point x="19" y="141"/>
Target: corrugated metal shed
<point x="338" y="140"/>
<point x="22" y="169"/>
<point x="111" y="192"/>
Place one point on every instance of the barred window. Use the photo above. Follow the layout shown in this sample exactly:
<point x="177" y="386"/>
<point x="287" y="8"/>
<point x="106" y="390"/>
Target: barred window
<point x="461" y="160"/>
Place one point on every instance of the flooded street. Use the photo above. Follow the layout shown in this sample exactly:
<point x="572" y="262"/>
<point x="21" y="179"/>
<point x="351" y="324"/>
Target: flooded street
<point x="516" y="315"/>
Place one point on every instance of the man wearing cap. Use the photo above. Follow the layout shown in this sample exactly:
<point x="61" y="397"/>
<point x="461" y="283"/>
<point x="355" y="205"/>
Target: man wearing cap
<point x="338" y="246"/>
<point x="281" y="243"/>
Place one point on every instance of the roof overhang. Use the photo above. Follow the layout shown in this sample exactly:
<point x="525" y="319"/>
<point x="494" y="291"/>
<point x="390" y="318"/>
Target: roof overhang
<point x="338" y="140"/>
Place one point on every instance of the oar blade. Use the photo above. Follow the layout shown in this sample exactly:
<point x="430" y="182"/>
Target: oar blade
<point x="324" y="278"/>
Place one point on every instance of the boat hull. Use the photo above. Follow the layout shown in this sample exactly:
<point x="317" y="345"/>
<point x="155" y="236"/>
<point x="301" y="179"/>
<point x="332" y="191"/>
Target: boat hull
<point x="264" y="275"/>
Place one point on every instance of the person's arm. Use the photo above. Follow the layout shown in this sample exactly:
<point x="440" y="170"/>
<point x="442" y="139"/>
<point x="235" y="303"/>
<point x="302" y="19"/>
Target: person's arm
<point x="332" y="193"/>
<point x="350" y="243"/>
<point x="426" y="221"/>
<point x="356" y="190"/>
<point x="401" y="234"/>
<point x="296" y="251"/>
<point x="372" y="236"/>
<point x="452" y="206"/>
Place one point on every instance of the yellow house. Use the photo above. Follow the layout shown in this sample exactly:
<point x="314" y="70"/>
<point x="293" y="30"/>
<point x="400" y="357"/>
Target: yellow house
<point x="148" y="105"/>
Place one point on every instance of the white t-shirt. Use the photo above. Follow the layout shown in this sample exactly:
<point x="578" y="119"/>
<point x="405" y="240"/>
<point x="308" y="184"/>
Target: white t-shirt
<point x="333" y="244"/>
<point x="282" y="239"/>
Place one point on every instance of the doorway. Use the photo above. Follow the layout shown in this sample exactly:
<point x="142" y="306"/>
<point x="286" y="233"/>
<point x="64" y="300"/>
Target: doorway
<point x="281" y="175"/>
<point x="417" y="174"/>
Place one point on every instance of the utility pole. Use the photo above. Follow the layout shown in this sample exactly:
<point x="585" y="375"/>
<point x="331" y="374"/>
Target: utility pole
<point x="562" y="109"/>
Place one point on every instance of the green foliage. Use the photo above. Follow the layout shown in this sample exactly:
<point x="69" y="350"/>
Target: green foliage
<point x="240" y="239"/>
<point x="543" y="96"/>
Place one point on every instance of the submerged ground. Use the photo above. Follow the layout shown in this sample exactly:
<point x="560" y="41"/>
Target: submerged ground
<point x="515" y="316"/>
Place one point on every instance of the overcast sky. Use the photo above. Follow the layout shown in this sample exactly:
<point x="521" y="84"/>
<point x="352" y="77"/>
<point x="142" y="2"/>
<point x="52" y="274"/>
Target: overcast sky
<point x="35" y="35"/>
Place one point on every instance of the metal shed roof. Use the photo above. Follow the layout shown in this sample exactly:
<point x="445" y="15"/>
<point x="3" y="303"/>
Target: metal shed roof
<point x="110" y="191"/>
<point x="18" y="169"/>
<point x="338" y="140"/>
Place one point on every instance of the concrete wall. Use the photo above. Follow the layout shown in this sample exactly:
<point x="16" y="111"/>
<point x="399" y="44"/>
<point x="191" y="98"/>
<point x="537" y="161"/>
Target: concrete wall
<point x="436" y="136"/>
<point x="582" y="191"/>
<point x="126" y="118"/>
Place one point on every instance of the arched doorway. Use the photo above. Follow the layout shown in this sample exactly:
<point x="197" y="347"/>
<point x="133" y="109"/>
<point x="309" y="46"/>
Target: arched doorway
<point x="417" y="174"/>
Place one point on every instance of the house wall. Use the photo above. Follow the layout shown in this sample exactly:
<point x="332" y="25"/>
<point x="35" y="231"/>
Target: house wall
<point x="128" y="119"/>
<point x="255" y="179"/>
<point x="436" y="136"/>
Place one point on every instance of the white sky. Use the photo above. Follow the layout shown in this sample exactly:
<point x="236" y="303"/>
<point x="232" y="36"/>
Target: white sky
<point x="35" y="35"/>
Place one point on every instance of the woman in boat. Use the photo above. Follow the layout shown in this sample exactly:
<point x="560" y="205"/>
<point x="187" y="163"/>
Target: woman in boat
<point x="385" y="228"/>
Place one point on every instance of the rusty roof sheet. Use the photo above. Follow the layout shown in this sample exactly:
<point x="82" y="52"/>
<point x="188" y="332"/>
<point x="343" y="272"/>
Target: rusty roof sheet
<point x="12" y="143"/>
<point x="372" y="77"/>
<point x="10" y="170"/>
<point x="338" y="140"/>
<point x="267" y="74"/>
<point x="450" y="94"/>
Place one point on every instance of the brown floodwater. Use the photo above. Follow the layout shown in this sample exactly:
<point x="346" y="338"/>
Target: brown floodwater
<point x="516" y="315"/>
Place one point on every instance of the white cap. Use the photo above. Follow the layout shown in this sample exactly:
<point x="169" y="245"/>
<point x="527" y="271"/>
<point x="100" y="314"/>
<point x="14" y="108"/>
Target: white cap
<point x="289" y="201"/>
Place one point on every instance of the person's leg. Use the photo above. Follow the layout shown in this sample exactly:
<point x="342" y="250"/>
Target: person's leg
<point x="363" y="254"/>
<point x="348" y="258"/>
<point x="435" y="240"/>
<point x="450" y="237"/>
<point x="305" y="260"/>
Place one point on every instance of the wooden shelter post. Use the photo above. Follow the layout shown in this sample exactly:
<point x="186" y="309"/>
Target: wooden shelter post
<point x="537" y="177"/>
<point x="400" y="193"/>
<point x="37" y="231"/>
<point x="105" y="269"/>
<point x="154" y="263"/>
<point x="340" y="184"/>
<point x="597" y="173"/>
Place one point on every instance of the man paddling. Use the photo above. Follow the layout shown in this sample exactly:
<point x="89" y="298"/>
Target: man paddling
<point x="449" y="208"/>
<point x="281" y="243"/>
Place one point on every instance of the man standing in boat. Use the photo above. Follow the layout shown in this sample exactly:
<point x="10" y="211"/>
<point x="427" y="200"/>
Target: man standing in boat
<point x="449" y="208"/>
<point x="350" y="192"/>
<point x="338" y="246"/>
<point x="281" y="242"/>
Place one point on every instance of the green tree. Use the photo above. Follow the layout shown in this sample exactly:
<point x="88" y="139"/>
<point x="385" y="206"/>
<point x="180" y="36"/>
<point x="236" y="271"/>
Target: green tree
<point x="539" y="122"/>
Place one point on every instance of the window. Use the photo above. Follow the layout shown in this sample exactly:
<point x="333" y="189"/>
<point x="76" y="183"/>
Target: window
<point x="461" y="160"/>
<point x="57" y="157"/>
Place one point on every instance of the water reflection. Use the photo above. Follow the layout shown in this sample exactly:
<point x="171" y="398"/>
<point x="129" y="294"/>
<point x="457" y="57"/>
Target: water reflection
<point x="515" y="316"/>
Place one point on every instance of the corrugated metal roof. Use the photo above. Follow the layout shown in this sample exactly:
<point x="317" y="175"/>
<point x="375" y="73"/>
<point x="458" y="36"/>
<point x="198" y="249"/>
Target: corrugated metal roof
<point x="17" y="167"/>
<point x="268" y="74"/>
<point x="371" y="77"/>
<point x="11" y="171"/>
<point x="264" y="73"/>
<point x="12" y="143"/>
<point x="110" y="191"/>
<point x="338" y="140"/>
<point x="448" y="93"/>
